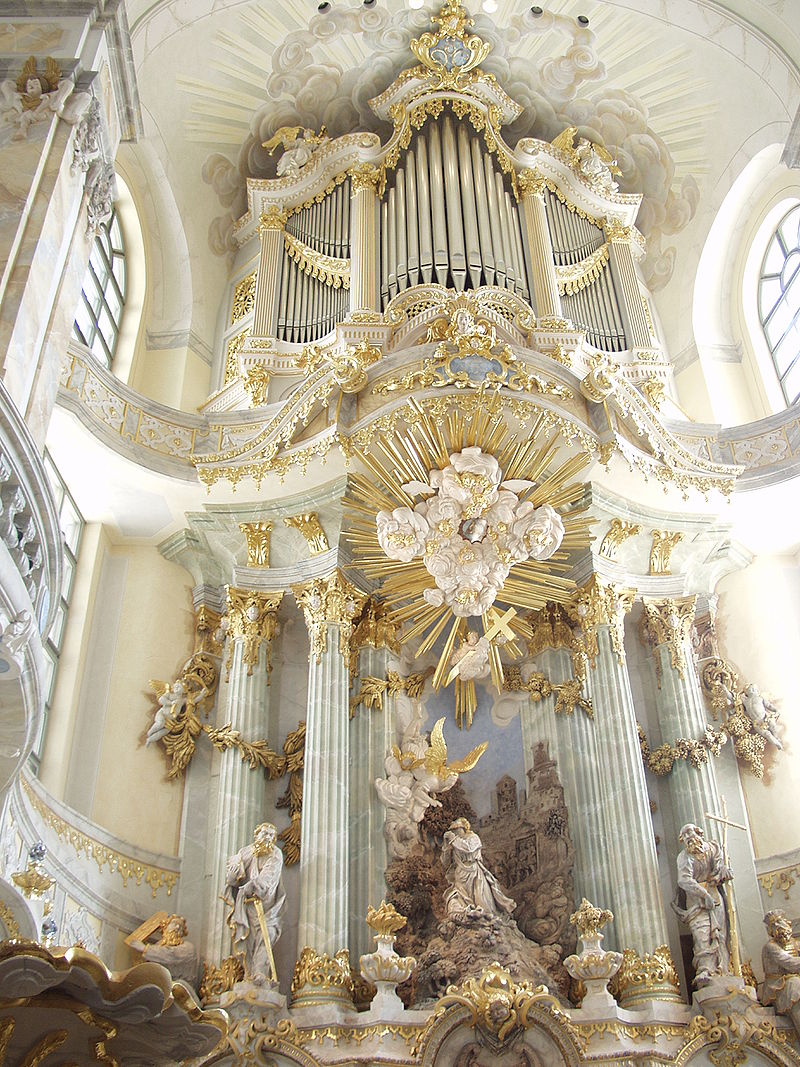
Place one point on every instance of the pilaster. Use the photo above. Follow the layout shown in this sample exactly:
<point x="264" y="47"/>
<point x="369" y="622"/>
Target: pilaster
<point x="364" y="182"/>
<point x="268" y="278"/>
<point x="623" y="270"/>
<point x="540" y="246"/>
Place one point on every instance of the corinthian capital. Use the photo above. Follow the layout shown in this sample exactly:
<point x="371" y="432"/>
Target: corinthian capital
<point x="668" y="624"/>
<point x="252" y="618"/>
<point x="330" y="601"/>
<point x="530" y="183"/>
<point x="600" y="603"/>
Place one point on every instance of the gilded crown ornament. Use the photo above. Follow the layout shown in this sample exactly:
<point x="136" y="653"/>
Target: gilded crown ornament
<point x="450" y="52"/>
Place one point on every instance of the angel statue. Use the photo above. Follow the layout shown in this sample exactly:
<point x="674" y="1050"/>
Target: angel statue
<point x="299" y="145"/>
<point x="178" y="700"/>
<point x="37" y="96"/>
<point x="416" y="772"/>
<point x="592" y="161"/>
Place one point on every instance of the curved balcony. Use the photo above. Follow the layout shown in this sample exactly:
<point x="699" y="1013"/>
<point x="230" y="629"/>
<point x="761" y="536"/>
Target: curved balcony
<point x="30" y="584"/>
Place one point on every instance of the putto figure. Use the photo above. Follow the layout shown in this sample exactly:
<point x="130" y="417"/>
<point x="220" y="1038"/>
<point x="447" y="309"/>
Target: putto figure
<point x="254" y="890"/>
<point x="700" y="902"/>
<point x="38" y="96"/>
<point x="472" y="888"/>
<point x="299" y="145"/>
<point x="781" y="960"/>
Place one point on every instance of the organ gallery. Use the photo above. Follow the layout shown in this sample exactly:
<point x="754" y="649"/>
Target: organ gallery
<point x="398" y="580"/>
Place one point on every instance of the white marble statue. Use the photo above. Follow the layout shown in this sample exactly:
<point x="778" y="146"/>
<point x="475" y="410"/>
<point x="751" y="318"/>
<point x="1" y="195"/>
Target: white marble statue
<point x="171" y="702"/>
<point x="762" y="713"/>
<point x="415" y="772"/>
<point x="472" y="888"/>
<point x="471" y="659"/>
<point x="35" y="97"/>
<point x="299" y="146"/>
<point x="781" y="961"/>
<point x="174" y="951"/>
<point x="701" y="903"/>
<point x="596" y="165"/>
<point x="254" y="890"/>
<point x="99" y="187"/>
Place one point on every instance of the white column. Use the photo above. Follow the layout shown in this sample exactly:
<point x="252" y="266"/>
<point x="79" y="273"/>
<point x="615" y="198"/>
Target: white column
<point x="268" y="278"/>
<point x="244" y="703"/>
<point x="540" y="247"/>
<point x="363" y="238"/>
<point x="630" y="843"/>
<point x="371" y="738"/>
<point x="329" y="605"/>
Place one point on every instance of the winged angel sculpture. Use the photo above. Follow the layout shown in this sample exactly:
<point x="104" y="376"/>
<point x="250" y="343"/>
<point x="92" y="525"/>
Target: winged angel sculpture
<point x="592" y="161"/>
<point x="175" y="719"/>
<point x="37" y="96"/>
<point x="416" y="771"/>
<point x="299" y="146"/>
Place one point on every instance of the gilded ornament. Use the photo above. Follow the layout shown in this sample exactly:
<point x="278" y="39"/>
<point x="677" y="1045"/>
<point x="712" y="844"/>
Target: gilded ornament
<point x="749" y="719"/>
<point x="366" y="176"/>
<point x="589" y="920"/>
<point x="664" y="543"/>
<point x="377" y="628"/>
<point x="618" y="531"/>
<point x="644" y="978"/>
<point x="32" y="882"/>
<point x="218" y="980"/>
<point x="600" y="382"/>
<point x="577" y="276"/>
<point x="272" y="219"/>
<point x="348" y="366"/>
<point x="330" y="601"/>
<point x="499" y="1006"/>
<point x="310" y="527"/>
<point x="243" y="297"/>
<point x="252" y="618"/>
<point x="654" y="390"/>
<point x="125" y="866"/>
<point x="207" y="631"/>
<point x="321" y="979"/>
<point x="385" y="920"/>
<point x="256" y="382"/>
<point x="449" y="52"/>
<point x="600" y="603"/>
<point x="668" y="623"/>
<point x="531" y="183"/>
<point x="569" y="694"/>
<point x="662" y="759"/>
<point x="370" y="694"/>
<point x="10" y="923"/>
<point x="257" y="535"/>
<point x="231" y="353"/>
<point x="328" y="269"/>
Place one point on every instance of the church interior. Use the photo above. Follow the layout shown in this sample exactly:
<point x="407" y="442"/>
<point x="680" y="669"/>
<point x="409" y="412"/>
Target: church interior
<point x="399" y="533"/>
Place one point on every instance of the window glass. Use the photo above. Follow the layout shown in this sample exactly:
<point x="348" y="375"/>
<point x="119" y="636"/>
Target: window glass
<point x="99" y="313"/>
<point x="779" y="302"/>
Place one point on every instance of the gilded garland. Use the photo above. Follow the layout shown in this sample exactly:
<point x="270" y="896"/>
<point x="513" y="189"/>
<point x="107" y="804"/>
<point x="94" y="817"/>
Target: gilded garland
<point x="461" y="524"/>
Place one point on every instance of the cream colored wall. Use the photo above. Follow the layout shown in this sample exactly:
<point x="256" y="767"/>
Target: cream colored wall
<point x="759" y="611"/>
<point x="155" y="638"/>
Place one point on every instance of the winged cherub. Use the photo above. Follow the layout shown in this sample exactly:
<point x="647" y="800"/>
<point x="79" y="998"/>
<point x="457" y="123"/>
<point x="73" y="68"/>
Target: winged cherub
<point x="416" y="771"/>
<point x="37" y="96"/>
<point x="299" y="145"/>
<point x="592" y="161"/>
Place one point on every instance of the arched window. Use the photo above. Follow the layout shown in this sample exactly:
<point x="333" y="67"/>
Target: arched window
<point x="99" y="314"/>
<point x="779" y="302"/>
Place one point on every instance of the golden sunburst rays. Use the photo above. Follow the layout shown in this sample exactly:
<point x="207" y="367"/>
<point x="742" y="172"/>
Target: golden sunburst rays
<point x="398" y="474"/>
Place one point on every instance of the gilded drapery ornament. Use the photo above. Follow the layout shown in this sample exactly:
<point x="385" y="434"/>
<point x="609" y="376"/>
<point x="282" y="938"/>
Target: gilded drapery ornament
<point x="618" y="532"/>
<point x="330" y="601"/>
<point x="664" y="542"/>
<point x="257" y="535"/>
<point x="668" y="623"/>
<point x="256" y="382"/>
<point x="253" y="620"/>
<point x="244" y="296"/>
<point x="310" y="527"/>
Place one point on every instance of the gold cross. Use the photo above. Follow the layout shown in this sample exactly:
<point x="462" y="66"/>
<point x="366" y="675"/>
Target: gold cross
<point x="500" y="624"/>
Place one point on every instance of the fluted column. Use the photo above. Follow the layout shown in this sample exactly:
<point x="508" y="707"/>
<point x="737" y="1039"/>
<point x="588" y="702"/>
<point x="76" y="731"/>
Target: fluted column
<point x="540" y="247"/>
<point x="631" y="861"/>
<point x="244" y="703"/>
<point x="371" y="738"/>
<point x="623" y="270"/>
<point x="268" y="278"/>
<point x="330" y="605"/>
<point x="363" y="238"/>
<point x="666" y="629"/>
